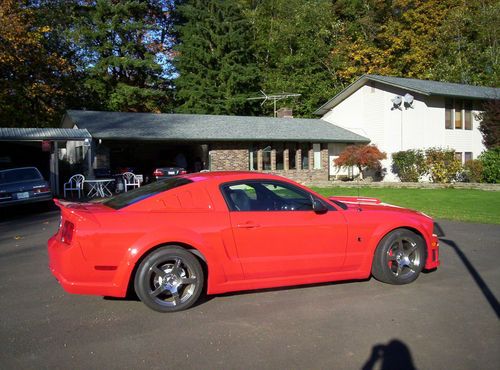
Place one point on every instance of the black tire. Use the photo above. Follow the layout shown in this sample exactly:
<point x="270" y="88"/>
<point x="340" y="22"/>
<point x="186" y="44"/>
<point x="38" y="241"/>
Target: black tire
<point x="399" y="257"/>
<point x="169" y="279"/>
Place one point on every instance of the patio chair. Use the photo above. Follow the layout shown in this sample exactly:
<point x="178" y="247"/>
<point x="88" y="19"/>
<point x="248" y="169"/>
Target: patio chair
<point x="130" y="181"/>
<point x="75" y="183"/>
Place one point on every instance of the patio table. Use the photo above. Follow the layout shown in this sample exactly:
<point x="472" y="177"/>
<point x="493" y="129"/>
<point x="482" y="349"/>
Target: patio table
<point x="99" y="187"/>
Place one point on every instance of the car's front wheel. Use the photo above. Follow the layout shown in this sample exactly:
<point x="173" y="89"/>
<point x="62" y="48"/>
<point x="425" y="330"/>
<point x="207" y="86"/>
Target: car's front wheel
<point x="399" y="257"/>
<point x="169" y="279"/>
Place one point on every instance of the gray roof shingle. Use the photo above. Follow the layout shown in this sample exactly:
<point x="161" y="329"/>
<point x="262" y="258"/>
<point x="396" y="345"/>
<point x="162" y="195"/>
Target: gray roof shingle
<point x="197" y="127"/>
<point x="30" y="134"/>
<point x="424" y="87"/>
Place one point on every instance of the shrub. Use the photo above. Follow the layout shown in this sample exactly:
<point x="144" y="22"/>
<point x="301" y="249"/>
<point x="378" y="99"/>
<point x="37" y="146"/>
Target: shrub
<point x="491" y="165"/>
<point x="361" y="156"/>
<point x="490" y="123"/>
<point x="442" y="165"/>
<point x="409" y="165"/>
<point x="473" y="171"/>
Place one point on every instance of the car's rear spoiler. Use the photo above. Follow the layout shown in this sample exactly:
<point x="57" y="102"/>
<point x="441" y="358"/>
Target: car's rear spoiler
<point x="79" y="210"/>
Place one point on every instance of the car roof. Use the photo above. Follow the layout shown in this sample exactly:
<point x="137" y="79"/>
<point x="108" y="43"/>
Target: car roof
<point x="224" y="176"/>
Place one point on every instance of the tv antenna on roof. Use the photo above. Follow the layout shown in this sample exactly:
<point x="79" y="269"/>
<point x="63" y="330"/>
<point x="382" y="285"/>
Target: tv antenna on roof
<point x="274" y="98"/>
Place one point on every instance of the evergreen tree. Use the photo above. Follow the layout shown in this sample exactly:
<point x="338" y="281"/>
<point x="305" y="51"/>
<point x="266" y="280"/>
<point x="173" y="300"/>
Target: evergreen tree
<point x="293" y="43"/>
<point x="121" y="47"/>
<point x="214" y="58"/>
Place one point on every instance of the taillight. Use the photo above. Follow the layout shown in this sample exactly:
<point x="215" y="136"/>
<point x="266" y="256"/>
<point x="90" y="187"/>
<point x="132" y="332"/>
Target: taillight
<point x="67" y="232"/>
<point x="45" y="189"/>
<point x="158" y="172"/>
<point x="183" y="172"/>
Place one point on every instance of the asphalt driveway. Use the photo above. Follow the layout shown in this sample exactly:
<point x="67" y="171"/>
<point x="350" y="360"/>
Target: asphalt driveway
<point x="447" y="319"/>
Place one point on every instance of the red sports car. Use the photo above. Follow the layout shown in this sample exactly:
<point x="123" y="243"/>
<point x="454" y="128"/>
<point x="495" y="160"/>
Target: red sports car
<point x="229" y="231"/>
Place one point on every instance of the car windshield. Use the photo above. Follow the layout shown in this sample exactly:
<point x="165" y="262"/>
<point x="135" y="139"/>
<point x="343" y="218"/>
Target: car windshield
<point x="19" y="174"/>
<point x="133" y="196"/>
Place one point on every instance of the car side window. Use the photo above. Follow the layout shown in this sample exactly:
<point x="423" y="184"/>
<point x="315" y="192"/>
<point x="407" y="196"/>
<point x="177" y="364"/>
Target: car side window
<point x="266" y="196"/>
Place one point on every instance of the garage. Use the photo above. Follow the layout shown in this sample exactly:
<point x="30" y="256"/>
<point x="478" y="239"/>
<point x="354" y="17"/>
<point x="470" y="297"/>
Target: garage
<point x="42" y="148"/>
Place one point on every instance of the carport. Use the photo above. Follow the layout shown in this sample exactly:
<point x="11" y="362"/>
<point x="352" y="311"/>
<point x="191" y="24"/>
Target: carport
<point x="38" y="147"/>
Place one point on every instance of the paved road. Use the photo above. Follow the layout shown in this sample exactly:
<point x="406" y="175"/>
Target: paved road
<point x="447" y="319"/>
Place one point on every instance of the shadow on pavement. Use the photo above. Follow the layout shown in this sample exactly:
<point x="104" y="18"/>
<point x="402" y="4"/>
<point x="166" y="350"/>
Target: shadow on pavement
<point x="13" y="212"/>
<point x="488" y="294"/>
<point x="392" y="356"/>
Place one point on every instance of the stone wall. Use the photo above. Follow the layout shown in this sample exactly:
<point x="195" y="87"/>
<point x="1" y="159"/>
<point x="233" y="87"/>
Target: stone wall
<point x="229" y="156"/>
<point x="410" y="185"/>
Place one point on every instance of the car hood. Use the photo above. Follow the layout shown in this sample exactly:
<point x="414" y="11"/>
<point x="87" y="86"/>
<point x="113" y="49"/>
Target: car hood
<point x="373" y="204"/>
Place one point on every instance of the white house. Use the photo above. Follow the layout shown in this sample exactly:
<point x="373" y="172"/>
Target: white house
<point x="404" y="113"/>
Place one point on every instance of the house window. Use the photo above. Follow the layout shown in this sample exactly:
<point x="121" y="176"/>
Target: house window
<point x="458" y="156"/>
<point x="292" y="156"/>
<point x="448" y="114"/>
<point x="468" y="114"/>
<point x="266" y="158"/>
<point x="458" y="114"/>
<point x="252" y="154"/>
<point x="467" y="156"/>
<point x="317" y="156"/>
<point x="305" y="147"/>
<point x="279" y="156"/>
<point x="267" y="150"/>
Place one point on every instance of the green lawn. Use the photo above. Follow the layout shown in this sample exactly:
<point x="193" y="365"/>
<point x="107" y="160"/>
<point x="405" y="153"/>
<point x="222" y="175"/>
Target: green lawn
<point x="452" y="204"/>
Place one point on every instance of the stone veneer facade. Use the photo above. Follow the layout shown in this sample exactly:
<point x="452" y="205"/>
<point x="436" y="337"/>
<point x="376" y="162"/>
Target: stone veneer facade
<point x="235" y="156"/>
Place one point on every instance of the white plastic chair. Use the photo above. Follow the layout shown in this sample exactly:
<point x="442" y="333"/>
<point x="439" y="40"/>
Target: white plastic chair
<point x="130" y="181"/>
<point x="75" y="183"/>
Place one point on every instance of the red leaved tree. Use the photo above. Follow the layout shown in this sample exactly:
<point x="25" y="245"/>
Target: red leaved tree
<point x="361" y="156"/>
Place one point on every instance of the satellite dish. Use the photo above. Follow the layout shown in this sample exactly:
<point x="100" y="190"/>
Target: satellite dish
<point x="408" y="98"/>
<point x="396" y="102"/>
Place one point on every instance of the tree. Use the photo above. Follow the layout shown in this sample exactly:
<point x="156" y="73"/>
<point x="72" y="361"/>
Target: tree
<point x="293" y="39"/>
<point x="122" y="44"/>
<point x="467" y="44"/>
<point x="214" y="58"/>
<point x="35" y="77"/>
<point x="361" y="156"/>
<point x="490" y="124"/>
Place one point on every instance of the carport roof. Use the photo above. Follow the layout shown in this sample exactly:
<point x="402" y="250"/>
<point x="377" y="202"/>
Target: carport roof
<point x="197" y="127"/>
<point x="34" y="134"/>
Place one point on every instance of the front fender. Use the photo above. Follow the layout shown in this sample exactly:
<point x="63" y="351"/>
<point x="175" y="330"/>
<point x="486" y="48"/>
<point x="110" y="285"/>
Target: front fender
<point x="383" y="229"/>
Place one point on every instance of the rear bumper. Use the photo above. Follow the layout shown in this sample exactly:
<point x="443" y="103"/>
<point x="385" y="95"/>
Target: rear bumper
<point x="32" y="199"/>
<point x="76" y="275"/>
<point x="433" y="254"/>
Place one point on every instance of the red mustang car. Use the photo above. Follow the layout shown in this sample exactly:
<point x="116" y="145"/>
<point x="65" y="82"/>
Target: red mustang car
<point x="229" y="231"/>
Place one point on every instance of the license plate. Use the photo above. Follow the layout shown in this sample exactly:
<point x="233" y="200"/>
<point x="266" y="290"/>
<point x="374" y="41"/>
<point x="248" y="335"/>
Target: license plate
<point x="23" y="195"/>
<point x="171" y="172"/>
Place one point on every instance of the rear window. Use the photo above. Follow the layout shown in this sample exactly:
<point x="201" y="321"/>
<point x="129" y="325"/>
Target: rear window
<point x="19" y="174"/>
<point x="133" y="196"/>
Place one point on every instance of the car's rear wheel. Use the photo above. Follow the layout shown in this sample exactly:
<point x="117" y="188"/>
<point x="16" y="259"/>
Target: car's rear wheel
<point x="399" y="258"/>
<point x="169" y="279"/>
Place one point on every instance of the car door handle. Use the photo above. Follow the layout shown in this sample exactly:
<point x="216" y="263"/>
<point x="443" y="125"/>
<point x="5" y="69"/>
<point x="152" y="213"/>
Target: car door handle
<point x="248" y="225"/>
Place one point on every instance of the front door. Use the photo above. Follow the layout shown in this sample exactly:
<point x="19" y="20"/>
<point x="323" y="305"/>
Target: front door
<point x="277" y="234"/>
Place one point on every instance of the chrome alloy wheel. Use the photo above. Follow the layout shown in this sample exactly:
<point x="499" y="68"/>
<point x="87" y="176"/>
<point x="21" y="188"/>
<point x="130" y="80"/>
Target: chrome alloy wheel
<point x="404" y="258"/>
<point x="172" y="282"/>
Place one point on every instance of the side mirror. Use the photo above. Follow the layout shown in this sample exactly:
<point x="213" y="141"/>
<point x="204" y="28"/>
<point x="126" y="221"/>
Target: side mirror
<point x="319" y="207"/>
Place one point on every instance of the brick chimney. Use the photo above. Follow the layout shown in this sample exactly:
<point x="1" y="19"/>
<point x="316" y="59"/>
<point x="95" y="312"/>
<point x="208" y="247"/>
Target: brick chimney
<point x="284" y="113"/>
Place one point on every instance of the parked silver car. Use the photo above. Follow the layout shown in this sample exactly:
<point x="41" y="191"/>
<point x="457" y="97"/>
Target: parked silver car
<point x="23" y="185"/>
